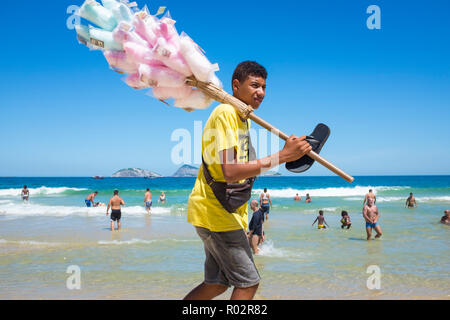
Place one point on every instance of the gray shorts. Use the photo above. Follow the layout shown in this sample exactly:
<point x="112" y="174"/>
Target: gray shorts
<point x="229" y="260"/>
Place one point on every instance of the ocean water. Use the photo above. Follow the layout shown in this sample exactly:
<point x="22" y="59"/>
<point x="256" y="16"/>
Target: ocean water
<point x="159" y="256"/>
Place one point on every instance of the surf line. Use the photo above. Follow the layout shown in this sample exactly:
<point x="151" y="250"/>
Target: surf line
<point x="199" y="310"/>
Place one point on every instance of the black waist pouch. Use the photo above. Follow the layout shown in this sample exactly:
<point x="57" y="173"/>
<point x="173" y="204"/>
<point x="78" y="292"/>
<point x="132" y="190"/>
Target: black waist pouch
<point x="230" y="195"/>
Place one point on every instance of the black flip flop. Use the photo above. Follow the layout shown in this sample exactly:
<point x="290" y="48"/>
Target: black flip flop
<point x="316" y="139"/>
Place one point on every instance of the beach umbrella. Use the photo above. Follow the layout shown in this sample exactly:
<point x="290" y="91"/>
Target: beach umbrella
<point x="152" y="54"/>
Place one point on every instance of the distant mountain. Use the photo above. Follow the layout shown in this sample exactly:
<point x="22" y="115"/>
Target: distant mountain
<point x="134" y="172"/>
<point x="270" y="174"/>
<point x="186" y="171"/>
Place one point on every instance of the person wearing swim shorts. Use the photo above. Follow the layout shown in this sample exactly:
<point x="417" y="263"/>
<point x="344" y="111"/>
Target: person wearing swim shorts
<point x="148" y="200"/>
<point x="265" y="202"/>
<point x="25" y="194"/>
<point x="371" y="216"/>
<point x="226" y="153"/>
<point x="411" y="201"/>
<point x="321" y="221"/>
<point x="90" y="199"/>
<point x="255" y="227"/>
<point x="345" y="220"/>
<point x="115" y="204"/>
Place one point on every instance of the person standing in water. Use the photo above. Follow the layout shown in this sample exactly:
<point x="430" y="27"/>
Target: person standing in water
<point x="371" y="215"/>
<point x="411" y="201"/>
<point x="265" y="202"/>
<point x="162" y="197"/>
<point x="148" y="200"/>
<point x="308" y="198"/>
<point x="116" y="214"/>
<point x="321" y="221"/>
<point x="297" y="198"/>
<point x="25" y="194"/>
<point x="255" y="227"/>
<point x="370" y="195"/>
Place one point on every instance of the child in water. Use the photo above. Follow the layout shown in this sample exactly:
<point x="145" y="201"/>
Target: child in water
<point x="321" y="221"/>
<point x="345" y="220"/>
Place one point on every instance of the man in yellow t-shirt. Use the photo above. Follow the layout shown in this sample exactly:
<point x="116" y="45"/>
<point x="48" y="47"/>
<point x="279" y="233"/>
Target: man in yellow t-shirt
<point x="225" y="150"/>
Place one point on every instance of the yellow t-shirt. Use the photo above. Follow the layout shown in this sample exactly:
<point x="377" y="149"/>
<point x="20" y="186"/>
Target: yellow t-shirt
<point x="223" y="130"/>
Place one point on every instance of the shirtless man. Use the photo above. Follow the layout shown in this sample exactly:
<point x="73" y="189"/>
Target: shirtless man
<point x="411" y="201"/>
<point x="148" y="200"/>
<point x="370" y="195"/>
<point x="297" y="198"/>
<point x="371" y="215"/>
<point x="446" y="218"/>
<point x="321" y="221"/>
<point x="90" y="199"/>
<point x="25" y="194"/>
<point x="265" y="202"/>
<point x="115" y="202"/>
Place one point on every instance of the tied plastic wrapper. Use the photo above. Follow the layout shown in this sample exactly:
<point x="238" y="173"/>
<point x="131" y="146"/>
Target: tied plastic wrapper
<point x="196" y="100"/>
<point x="200" y="66"/>
<point x="160" y="76"/>
<point x="103" y="40"/>
<point x="96" y="13"/>
<point x="125" y="33"/>
<point x="120" y="11"/>
<point x="140" y="54"/>
<point x="134" y="81"/>
<point x="162" y="93"/>
<point x="146" y="28"/>
<point x="167" y="53"/>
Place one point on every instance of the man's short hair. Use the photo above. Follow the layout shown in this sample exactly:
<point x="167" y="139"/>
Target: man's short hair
<point x="95" y="191"/>
<point x="148" y="189"/>
<point x="344" y="213"/>
<point x="370" y="190"/>
<point x="321" y="212"/>
<point x="265" y="189"/>
<point x="116" y="192"/>
<point x="248" y="68"/>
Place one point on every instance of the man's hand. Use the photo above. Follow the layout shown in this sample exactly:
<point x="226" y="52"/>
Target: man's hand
<point x="294" y="149"/>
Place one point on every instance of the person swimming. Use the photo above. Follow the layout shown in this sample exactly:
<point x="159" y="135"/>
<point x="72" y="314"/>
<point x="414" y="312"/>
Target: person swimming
<point x="345" y="220"/>
<point x="297" y="198"/>
<point x="321" y="221"/>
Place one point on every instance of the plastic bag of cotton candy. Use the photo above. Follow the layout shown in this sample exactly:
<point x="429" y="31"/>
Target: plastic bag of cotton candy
<point x="148" y="50"/>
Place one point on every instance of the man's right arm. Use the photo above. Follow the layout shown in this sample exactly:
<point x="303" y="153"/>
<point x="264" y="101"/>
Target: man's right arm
<point x="294" y="149"/>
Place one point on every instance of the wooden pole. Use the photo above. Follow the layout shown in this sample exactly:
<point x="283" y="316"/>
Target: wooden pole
<point x="246" y="112"/>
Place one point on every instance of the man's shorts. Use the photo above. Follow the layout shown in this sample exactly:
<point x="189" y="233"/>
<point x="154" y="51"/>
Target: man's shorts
<point x="266" y="208"/>
<point x="148" y="204"/>
<point x="371" y="225"/>
<point x="88" y="203"/>
<point x="229" y="259"/>
<point x="116" y="215"/>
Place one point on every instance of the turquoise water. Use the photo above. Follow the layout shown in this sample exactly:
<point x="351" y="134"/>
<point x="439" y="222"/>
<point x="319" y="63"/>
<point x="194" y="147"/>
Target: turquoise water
<point x="160" y="256"/>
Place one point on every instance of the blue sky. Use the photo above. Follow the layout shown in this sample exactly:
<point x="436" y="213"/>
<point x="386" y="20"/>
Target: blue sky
<point x="384" y="93"/>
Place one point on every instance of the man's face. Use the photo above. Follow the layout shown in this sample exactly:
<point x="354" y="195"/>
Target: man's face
<point x="370" y="201"/>
<point x="252" y="91"/>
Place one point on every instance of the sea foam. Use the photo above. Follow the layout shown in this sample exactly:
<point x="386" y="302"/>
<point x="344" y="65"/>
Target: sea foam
<point x="15" y="192"/>
<point x="327" y="192"/>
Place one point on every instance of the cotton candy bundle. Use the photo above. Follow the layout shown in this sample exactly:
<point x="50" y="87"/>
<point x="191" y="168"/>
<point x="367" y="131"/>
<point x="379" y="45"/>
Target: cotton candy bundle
<point x="148" y="50"/>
